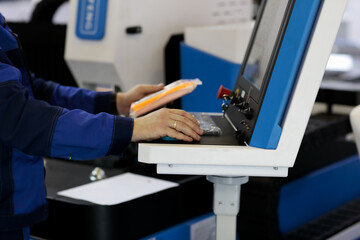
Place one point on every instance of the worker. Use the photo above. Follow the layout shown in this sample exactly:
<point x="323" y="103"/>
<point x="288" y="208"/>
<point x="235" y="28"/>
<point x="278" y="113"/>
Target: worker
<point x="43" y="119"/>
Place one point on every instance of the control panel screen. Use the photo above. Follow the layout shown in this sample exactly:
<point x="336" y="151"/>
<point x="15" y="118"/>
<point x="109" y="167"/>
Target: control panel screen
<point x="264" y="42"/>
<point x="255" y="74"/>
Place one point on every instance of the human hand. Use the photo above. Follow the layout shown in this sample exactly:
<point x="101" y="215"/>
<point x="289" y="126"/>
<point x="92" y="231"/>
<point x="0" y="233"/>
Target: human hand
<point x="166" y="122"/>
<point x="124" y="100"/>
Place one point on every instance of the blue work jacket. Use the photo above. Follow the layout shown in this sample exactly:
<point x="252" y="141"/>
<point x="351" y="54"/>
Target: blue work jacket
<point x="44" y="119"/>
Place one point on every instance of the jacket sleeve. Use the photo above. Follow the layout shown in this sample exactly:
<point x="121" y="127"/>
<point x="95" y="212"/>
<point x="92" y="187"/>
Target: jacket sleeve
<point x="74" y="98"/>
<point x="38" y="128"/>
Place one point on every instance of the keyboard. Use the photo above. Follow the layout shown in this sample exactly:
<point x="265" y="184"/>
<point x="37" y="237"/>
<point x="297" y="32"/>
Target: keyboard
<point x="207" y="124"/>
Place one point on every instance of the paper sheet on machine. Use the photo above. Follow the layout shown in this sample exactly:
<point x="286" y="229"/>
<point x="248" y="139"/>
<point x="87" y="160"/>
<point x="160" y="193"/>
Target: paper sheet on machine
<point x="118" y="189"/>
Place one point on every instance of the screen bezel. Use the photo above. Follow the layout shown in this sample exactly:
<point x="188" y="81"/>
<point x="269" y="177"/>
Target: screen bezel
<point x="257" y="94"/>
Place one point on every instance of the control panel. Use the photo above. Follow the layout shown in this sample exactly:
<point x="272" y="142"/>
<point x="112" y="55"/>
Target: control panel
<point x="240" y="106"/>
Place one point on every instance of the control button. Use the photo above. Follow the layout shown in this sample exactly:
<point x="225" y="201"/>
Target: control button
<point x="245" y="109"/>
<point x="248" y="113"/>
<point x="223" y="92"/>
<point x="243" y="105"/>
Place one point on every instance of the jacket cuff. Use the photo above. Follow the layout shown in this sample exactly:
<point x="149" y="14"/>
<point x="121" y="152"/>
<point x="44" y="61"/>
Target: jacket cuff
<point x="105" y="102"/>
<point x="122" y="134"/>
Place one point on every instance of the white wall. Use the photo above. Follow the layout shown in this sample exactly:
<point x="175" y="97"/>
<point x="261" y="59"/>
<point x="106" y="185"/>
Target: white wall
<point x="351" y="22"/>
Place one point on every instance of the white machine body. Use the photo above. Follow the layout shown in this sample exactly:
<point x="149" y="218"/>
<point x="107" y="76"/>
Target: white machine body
<point x="249" y="161"/>
<point x="128" y="59"/>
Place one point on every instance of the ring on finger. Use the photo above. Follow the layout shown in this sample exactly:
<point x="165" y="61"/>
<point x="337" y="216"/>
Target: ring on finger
<point x="174" y="126"/>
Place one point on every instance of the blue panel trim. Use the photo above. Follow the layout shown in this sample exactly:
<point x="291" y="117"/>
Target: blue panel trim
<point x="268" y="126"/>
<point x="318" y="193"/>
<point x="91" y="19"/>
<point x="212" y="71"/>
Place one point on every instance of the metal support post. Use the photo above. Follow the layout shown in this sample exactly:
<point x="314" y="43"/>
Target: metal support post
<point x="226" y="204"/>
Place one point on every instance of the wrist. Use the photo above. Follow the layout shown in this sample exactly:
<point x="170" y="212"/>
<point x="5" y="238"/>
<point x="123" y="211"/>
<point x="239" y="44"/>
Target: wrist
<point x="120" y="104"/>
<point x="135" y="137"/>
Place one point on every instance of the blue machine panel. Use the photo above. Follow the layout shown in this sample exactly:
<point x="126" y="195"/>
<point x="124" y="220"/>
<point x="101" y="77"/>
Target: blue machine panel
<point x="268" y="127"/>
<point x="212" y="71"/>
<point x="318" y="193"/>
<point x="91" y="19"/>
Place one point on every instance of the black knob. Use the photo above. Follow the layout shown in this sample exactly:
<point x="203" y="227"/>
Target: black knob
<point x="242" y="105"/>
<point x="248" y="113"/>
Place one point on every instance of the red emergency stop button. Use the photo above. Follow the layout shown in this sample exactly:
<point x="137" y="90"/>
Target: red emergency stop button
<point x="223" y="91"/>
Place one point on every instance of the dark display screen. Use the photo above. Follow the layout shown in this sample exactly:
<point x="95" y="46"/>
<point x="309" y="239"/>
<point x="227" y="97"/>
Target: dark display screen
<point x="264" y="42"/>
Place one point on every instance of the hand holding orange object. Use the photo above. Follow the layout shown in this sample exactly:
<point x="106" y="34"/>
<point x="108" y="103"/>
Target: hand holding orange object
<point x="170" y="92"/>
<point x="124" y="100"/>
